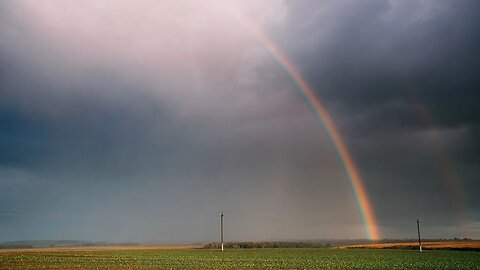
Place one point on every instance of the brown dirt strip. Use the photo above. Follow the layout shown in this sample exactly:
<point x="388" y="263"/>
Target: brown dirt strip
<point x="462" y="245"/>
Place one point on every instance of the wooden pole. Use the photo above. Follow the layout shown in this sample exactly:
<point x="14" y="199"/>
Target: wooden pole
<point x="221" y="228"/>
<point x="419" y="239"/>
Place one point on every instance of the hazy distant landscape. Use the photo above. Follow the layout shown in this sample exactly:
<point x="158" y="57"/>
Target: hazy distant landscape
<point x="454" y="244"/>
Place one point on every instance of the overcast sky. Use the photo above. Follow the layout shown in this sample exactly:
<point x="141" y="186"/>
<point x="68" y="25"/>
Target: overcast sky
<point x="142" y="120"/>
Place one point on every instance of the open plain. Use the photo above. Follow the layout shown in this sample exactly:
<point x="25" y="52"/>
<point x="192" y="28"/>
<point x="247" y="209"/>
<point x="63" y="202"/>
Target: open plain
<point x="437" y="245"/>
<point x="194" y="258"/>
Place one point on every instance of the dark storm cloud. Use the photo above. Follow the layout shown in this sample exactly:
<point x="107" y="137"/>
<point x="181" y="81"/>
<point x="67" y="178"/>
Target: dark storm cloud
<point x="139" y="122"/>
<point x="19" y="146"/>
<point x="144" y="140"/>
<point x="387" y="56"/>
<point x="402" y="79"/>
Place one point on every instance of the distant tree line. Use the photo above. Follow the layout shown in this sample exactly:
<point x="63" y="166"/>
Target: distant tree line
<point x="319" y="243"/>
<point x="306" y="244"/>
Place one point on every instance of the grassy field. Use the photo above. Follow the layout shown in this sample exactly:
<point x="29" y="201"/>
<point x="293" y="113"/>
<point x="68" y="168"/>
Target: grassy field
<point x="240" y="259"/>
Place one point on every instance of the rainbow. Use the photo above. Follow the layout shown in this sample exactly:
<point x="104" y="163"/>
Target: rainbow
<point x="325" y="120"/>
<point x="449" y="174"/>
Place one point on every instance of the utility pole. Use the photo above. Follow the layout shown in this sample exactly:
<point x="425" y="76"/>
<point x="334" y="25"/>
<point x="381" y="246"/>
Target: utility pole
<point x="419" y="239"/>
<point x="221" y="228"/>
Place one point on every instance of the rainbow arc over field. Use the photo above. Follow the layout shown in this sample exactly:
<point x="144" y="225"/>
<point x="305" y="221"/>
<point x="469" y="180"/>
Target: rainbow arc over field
<point x="324" y="118"/>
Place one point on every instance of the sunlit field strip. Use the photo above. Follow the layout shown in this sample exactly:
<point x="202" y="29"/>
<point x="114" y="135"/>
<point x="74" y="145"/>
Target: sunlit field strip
<point x="462" y="245"/>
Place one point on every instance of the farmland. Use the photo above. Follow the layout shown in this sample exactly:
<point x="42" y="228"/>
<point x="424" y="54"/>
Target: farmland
<point x="307" y="258"/>
<point x="437" y="245"/>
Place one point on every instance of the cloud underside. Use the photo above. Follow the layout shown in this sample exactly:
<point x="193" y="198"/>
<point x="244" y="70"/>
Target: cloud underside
<point x="140" y="122"/>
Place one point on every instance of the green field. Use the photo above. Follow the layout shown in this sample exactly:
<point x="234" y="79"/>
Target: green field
<point x="241" y="259"/>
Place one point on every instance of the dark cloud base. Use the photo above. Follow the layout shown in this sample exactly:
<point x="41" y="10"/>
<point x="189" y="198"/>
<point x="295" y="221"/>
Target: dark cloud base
<point x="107" y="148"/>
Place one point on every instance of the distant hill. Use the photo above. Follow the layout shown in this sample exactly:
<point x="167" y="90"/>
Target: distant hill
<point x="50" y="243"/>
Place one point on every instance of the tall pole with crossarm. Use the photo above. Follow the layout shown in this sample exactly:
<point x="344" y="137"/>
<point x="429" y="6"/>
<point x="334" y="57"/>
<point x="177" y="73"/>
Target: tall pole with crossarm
<point x="221" y="228"/>
<point x="419" y="239"/>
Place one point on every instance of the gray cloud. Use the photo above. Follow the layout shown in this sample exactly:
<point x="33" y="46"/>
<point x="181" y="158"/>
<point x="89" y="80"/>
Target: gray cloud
<point x="141" y="122"/>
<point x="401" y="77"/>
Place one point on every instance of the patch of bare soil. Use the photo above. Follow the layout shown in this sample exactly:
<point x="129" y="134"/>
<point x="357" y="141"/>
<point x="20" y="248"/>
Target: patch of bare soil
<point x="453" y="245"/>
